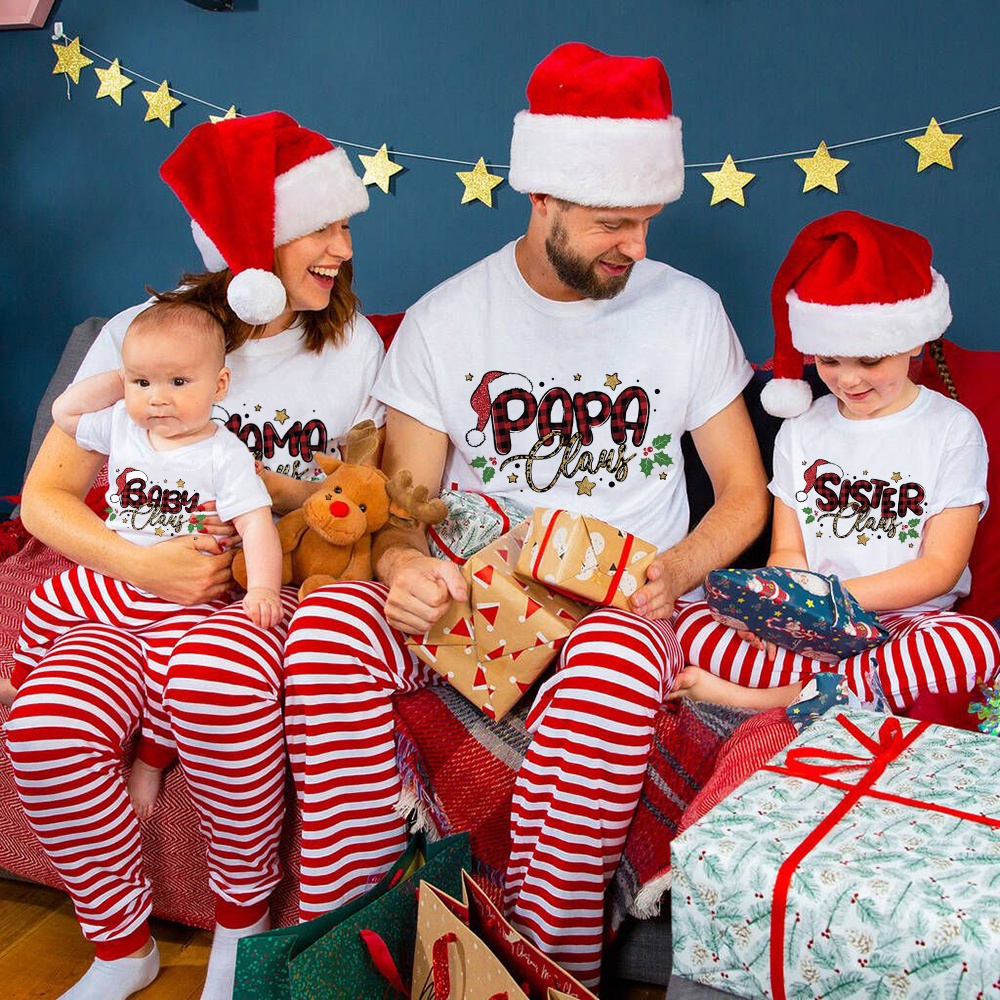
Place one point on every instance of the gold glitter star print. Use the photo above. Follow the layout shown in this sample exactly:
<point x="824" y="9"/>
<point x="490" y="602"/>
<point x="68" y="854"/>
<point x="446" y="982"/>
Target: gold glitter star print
<point x="479" y="183"/>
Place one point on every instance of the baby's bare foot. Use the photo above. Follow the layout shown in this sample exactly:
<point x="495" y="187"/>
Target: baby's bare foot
<point x="143" y="787"/>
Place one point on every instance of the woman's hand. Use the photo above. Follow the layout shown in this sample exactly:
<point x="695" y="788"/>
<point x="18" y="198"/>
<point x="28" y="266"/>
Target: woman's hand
<point x="207" y="522"/>
<point x="422" y="589"/>
<point x="192" y="569"/>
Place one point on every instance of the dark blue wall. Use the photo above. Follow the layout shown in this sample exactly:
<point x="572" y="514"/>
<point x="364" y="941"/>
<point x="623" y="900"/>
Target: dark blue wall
<point x="88" y="222"/>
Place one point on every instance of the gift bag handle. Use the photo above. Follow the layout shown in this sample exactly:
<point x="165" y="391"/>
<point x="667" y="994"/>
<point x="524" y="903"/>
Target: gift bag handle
<point x="441" y="971"/>
<point x="383" y="961"/>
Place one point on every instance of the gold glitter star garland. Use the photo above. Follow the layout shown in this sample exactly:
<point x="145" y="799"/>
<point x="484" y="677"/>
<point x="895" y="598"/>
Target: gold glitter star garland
<point x="728" y="181"/>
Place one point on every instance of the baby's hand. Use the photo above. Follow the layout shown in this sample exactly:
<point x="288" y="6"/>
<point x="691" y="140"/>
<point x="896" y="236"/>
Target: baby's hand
<point x="263" y="607"/>
<point x="757" y="642"/>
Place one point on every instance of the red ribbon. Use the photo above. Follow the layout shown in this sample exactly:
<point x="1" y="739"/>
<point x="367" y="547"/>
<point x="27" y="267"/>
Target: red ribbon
<point x="816" y="764"/>
<point x="382" y="960"/>
<point x="493" y="505"/>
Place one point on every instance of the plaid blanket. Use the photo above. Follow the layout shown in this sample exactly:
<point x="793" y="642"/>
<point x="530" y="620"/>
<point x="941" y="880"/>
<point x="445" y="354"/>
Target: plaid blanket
<point x="459" y="767"/>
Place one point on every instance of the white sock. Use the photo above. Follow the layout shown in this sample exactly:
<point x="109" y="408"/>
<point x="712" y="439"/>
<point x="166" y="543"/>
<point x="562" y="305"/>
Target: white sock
<point x="222" y="960"/>
<point x="116" y="980"/>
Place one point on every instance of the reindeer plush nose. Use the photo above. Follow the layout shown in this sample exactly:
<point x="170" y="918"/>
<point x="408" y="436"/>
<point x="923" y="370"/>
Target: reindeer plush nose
<point x="339" y="509"/>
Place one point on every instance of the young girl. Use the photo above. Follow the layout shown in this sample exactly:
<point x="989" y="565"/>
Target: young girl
<point x="270" y="203"/>
<point x="168" y="460"/>
<point x="881" y="483"/>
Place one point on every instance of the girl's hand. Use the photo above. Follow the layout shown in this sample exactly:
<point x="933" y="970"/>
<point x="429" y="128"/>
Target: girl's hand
<point x="770" y="649"/>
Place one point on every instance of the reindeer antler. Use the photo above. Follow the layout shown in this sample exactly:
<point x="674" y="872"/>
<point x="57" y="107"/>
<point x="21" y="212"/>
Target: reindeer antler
<point x="409" y="504"/>
<point x="362" y="443"/>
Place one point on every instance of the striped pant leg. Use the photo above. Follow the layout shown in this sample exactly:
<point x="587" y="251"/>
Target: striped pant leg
<point x="71" y="719"/>
<point x="929" y="651"/>
<point x="80" y="596"/>
<point x="343" y="664"/>
<point x="581" y="778"/>
<point x="223" y="698"/>
<point x="719" y="649"/>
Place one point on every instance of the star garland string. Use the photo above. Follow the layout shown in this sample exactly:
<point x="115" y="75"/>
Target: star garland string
<point x="727" y="181"/>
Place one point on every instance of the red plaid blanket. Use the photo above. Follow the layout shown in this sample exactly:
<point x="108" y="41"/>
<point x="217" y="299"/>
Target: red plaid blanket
<point x="458" y="772"/>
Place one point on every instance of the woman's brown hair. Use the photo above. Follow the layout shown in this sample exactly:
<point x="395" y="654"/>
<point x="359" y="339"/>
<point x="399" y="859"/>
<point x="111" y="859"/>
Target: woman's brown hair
<point x="320" y="328"/>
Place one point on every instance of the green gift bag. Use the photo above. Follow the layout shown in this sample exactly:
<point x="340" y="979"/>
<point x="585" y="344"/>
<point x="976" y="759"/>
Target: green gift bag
<point x="326" y="957"/>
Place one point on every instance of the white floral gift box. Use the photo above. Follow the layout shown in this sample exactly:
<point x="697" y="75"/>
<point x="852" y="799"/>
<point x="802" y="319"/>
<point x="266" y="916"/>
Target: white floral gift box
<point x="864" y="861"/>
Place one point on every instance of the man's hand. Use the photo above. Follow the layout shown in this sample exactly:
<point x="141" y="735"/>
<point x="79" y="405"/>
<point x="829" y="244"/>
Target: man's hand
<point x="186" y="570"/>
<point x="655" y="598"/>
<point x="421" y="591"/>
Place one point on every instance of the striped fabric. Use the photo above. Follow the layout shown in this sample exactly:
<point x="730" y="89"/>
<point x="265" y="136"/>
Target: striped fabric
<point x="575" y="792"/>
<point x="930" y="651"/>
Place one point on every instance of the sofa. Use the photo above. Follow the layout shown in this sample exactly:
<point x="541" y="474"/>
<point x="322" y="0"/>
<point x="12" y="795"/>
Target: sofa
<point x="439" y="736"/>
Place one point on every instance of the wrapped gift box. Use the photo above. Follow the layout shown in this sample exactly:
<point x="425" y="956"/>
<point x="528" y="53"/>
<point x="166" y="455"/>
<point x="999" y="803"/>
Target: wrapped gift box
<point x="797" y="609"/>
<point x="863" y="861"/>
<point x="474" y="520"/>
<point x="493" y="647"/>
<point x="584" y="557"/>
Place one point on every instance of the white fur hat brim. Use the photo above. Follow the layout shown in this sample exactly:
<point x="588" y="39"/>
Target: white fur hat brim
<point x="869" y="329"/>
<point x="598" y="162"/>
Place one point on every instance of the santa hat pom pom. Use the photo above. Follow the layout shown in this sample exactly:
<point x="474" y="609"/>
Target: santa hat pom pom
<point x="786" y="397"/>
<point x="257" y="296"/>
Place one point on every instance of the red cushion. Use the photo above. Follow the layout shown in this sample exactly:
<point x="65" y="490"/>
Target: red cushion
<point x="976" y="375"/>
<point x="386" y="325"/>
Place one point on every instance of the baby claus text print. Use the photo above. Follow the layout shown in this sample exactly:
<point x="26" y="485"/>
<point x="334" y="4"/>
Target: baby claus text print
<point x="542" y="432"/>
<point x="865" y="507"/>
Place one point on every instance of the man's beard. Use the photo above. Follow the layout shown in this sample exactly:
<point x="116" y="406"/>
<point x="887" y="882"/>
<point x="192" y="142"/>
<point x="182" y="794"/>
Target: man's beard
<point x="579" y="274"/>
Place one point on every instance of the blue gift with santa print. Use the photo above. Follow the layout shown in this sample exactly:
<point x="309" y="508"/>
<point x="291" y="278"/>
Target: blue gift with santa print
<point x="806" y="612"/>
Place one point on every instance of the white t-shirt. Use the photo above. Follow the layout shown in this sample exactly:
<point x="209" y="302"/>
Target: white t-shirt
<point x="577" y="405"/>
<point x="284" y="403"/>
<point x="152" y="495"/>
<point x="864" y="490"/>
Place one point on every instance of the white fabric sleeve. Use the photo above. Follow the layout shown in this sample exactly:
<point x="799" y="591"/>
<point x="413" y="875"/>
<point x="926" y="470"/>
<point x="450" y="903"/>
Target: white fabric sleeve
<point x="238" y="488"/>
<point x="783" y="475"/>
<point x="964" y="463"/>
<point x="105" y="352"/>
<point x="723" y="372"/>
<point x="371" y="353"/>
<point x="94" y="430"/>
<point x="407" y="381"/>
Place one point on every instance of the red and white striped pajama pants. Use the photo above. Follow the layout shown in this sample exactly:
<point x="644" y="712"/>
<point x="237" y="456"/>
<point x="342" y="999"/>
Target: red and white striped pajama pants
<point x="576" y="790"/>
<point x="929" y="651"/>
<point x="90" y="650"/>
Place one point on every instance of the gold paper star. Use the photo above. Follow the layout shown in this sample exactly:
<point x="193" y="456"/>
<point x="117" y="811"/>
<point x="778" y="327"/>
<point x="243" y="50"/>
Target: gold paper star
<point x="281" y="415"/>
<point x="379" y="168"/>
<point x="821" y="170"/>
<point x="934" y="146"/>
<point x="728" y="183"/>
<point x="863" y="539"/>
<point x="468" y="378"/>
<point x="113" y="82"/>
<point x="613" y="381"/>
<point x="577" y="377"/>
<point x="70" y="60"/>
<point x="231" y="113"/>
<point x="479" y="183"/>
<point x="512" y="478"/>
<point x="895" y="477"/>
<point x="180" y="484"/>
<point x="161" y="104"/>
<point x="584" y="486"/>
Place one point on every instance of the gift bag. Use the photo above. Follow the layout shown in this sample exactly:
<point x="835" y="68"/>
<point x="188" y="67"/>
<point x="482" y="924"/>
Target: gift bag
<point x="797" y="609"/>
<point x="584" y="557"/>
<point x="467" y="950"/>
<point x="496" y="644"/>
<point x="277" y="965"/>
<point x="474" y="520"/>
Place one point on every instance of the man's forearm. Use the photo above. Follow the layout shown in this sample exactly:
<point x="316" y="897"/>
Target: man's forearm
<point x="393" y="546"/>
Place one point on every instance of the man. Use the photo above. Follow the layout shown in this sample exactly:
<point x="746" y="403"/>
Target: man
<point x="560" y="371"/>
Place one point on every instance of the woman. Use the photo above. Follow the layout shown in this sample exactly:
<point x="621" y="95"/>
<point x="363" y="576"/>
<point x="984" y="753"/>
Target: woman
<point x="270" y="203"/>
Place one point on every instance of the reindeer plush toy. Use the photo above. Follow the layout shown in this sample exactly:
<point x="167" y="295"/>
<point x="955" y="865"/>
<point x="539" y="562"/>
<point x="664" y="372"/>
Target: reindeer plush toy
<point x="329" y="537"/>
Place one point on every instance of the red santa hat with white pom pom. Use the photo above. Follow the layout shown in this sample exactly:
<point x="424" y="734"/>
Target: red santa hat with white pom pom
<point x="255" y="183"/>
<point x="851" y="287"/>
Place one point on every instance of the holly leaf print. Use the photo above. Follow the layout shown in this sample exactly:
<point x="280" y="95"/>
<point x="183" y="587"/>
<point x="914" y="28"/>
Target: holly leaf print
<point x="488" y="473"/>
<point x="913" y="522"/>
<point x="478" y="462"/>
<point x="662" y="441"/>
<point x="810" y="517"/>
<point x="662" y="458"/>
<point x="110" y="512"/>
<point x="646" y="465"/>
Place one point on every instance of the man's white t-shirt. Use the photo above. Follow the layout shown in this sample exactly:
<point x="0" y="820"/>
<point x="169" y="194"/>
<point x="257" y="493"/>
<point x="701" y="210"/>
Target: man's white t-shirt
<point x="576" y="405"/>
<point x="284" y="403"/>
<point x="863" y="490"/>
<point x="153" y="495"/>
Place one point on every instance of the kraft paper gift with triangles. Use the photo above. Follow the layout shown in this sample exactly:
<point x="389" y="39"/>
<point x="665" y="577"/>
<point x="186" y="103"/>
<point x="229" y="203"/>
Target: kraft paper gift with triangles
<point x="493" y="647"/>
<point x="582" y="556"/>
